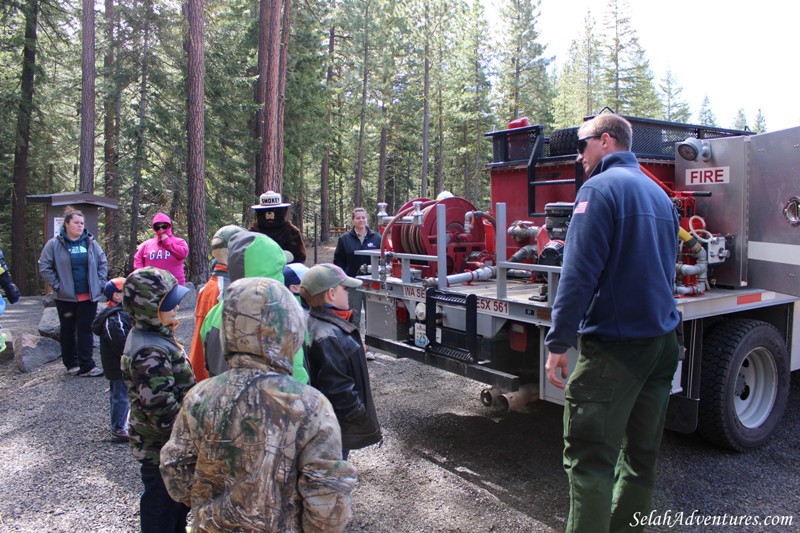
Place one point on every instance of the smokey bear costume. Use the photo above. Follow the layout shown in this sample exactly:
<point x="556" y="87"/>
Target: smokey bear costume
<point x="272" y="219"/>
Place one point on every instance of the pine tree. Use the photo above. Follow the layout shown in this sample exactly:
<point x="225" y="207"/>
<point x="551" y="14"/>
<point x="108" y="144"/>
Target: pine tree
<point x="579" y="92"/>
<point x="620" y="42"/>
<point x="740" y="120"/>
<point x="525" y="87"/>
<point x="673" y="107"/>
<point x="760" y="123"/>
<point x="706" y="116"/>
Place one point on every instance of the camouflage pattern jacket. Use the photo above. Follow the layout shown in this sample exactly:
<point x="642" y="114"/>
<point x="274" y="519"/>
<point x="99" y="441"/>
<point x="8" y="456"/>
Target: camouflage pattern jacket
<point x="155" y="367"/>
<point x="253" y="449"/>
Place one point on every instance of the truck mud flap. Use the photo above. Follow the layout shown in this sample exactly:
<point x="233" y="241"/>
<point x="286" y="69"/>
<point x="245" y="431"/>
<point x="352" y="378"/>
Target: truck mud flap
<point x="474" y="371"/>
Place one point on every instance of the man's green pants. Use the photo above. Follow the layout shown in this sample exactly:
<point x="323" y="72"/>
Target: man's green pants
<point x="615" y="407"/>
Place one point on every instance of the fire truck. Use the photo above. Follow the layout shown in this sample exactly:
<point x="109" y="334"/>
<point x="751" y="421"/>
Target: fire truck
<point x="470" y="291"/>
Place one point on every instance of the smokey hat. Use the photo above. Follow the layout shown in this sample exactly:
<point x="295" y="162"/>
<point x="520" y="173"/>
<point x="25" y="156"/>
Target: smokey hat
<point x="322" y="277"/>
<point x="270" y="200"/>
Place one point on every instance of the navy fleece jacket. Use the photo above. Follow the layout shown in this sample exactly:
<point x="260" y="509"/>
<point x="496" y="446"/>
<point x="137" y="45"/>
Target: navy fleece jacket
<point x="619" y="259"/>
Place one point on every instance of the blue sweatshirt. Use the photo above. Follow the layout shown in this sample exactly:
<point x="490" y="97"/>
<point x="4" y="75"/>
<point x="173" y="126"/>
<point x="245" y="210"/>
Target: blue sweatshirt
<point x="79" y="257"/>
<point x="619" y="259"/>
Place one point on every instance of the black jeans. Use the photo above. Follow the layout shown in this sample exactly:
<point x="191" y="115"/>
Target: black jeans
<point x="158" y="511"/>
<point x="77" y="340"/>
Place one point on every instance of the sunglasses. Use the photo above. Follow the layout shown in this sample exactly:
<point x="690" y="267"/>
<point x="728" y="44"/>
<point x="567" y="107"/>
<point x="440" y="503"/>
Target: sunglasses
<point x="159" y="227"/>
<point x="583" y="141"/>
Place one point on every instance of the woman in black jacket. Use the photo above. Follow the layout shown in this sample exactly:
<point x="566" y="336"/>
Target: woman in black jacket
<point x="358" y="238"/>
<point x="336" y="359"/>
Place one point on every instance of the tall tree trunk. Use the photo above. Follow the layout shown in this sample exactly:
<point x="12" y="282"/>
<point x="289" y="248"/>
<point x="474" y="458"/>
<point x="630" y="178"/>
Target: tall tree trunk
<point x="284" y="59"/>
<point x="110" y="156"/>
<point x="425" y="109"/>
<point x="324" y="210"/>
<point x="21" y="146"/>
<point x="268" y="177"/>
<point x="87" y="98"/>
<point x="384" y="147"/>
<point x="357" y="193"/>
<point x="438" y="157"/>
<point x="140" y="133"/>
<point x="261" y="91"/>
<point x="195" y="131"/>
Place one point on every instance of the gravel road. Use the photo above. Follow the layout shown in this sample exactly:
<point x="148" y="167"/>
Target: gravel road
<point x="447" y="464"/>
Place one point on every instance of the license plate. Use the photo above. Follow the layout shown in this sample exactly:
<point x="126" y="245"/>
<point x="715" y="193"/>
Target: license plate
<point x="421" y="335"/>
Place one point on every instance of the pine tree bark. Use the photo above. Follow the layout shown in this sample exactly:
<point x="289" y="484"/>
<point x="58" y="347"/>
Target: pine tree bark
<point x="284" y="59"/>
<point x="140" y="133"/>
<point x="425" y="110"/>
<point x="195" y="131"/>
<point x="324" y="208"/>
<point x="21" y="147"/>
<point x="268" y="177"/>
<point x="87" y="97"/>
<point x="110" y="155"/>
<point x="357" y="193"/>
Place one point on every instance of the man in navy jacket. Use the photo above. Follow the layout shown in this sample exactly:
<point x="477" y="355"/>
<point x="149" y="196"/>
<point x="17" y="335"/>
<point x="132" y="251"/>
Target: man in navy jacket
<point x="616" y="294"/>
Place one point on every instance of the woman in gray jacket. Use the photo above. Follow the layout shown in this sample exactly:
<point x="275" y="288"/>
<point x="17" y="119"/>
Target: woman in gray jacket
<point x="75" y="266"/>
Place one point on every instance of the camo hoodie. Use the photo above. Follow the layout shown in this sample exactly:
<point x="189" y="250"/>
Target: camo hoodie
<point x="154" y="366"/>
<point x="253" y="449"/>
<point x="250" y="255"/>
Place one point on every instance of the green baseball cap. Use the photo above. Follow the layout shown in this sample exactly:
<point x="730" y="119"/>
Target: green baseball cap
<point x="322" y="277"/>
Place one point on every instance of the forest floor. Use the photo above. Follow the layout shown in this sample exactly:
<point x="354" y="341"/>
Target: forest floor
<point x="447" y="463"/>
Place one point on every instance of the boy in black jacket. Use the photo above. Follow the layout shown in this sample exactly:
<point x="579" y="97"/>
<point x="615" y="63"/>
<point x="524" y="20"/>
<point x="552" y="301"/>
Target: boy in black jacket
<point x="336" y="359"/>
<point x="112" y="325"/>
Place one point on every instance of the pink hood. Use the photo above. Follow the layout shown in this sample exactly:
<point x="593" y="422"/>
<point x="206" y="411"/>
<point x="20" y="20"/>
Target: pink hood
<point x="168" y="254"/>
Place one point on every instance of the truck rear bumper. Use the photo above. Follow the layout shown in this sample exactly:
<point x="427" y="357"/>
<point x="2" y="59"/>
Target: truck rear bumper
<point x="475" y="371"/>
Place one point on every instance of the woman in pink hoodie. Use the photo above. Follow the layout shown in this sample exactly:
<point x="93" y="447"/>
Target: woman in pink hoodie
<point x="164" y="251"/>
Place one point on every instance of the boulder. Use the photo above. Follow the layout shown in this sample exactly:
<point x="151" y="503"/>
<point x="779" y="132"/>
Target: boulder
<point x="31" y="352"/>
<point x="49" y="325"/>
<point x="190" y="300"/>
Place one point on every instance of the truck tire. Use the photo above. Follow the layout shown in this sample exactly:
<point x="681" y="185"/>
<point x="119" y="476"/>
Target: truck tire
<point x="744" y="386"/>
<point x="564" y="142"/>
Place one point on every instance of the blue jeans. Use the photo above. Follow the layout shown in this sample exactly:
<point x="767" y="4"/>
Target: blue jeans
<point x="119" y="406"/>
<point x="159" y="513"/>
<point x="77" y="339"/>
<point x="616" y="404"/>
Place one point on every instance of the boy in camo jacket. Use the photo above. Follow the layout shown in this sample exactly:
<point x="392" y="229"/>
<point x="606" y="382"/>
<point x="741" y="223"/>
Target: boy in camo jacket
<point x="254" y="449"/>
<point x="158" y="375"/>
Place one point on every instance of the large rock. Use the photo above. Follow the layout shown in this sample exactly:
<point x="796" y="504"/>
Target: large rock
<point x="190" y="300"/>
<point x="31" y="352"/>
<point x="49" y="325"/>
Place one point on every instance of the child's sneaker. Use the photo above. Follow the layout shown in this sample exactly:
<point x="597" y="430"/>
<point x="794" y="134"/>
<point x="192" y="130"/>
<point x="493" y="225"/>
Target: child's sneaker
<point x="93" y="373"/>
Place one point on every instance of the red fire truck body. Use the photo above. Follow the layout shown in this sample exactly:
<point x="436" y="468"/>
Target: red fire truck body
<point x="470" y="291"/>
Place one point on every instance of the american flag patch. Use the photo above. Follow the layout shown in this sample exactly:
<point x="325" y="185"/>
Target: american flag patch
<point x="581" y="207"/>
